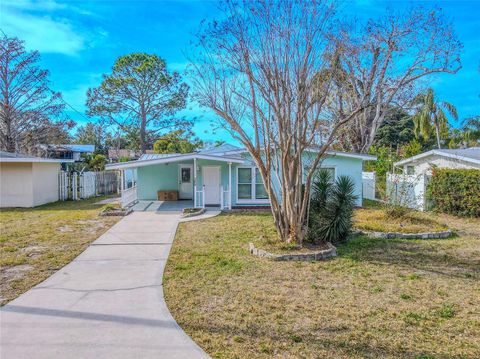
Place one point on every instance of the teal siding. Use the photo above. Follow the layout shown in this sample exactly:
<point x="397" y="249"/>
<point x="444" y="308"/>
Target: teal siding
<point x="344" y="166"/>
<point x="165" y="176"/>
<point x="161" y="177"/>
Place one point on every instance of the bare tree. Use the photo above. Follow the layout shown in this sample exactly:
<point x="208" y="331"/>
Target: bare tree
<point x="259" y="70"/>
<point x="140" y="96"/>
<point x="27" y="103"/>
<point x="385" y="59"/>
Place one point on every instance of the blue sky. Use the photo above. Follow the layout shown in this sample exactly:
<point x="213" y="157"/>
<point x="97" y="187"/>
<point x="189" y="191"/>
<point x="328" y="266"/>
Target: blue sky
<point x="80" y="40"/>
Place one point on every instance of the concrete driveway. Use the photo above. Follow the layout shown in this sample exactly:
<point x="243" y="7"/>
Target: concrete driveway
<point x="107" y="303"/>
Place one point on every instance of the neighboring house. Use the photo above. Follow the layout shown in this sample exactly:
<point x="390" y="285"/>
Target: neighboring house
<point x="67" y="152"/>
<point x="224" y="176"/>
<point x="443" y="158"/>
<point x="115" y="154"/>
<point x="27" y="181"/>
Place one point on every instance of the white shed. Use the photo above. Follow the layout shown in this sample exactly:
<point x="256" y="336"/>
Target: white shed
<point x="468" y="158"/>
<point x="27" y="181"/>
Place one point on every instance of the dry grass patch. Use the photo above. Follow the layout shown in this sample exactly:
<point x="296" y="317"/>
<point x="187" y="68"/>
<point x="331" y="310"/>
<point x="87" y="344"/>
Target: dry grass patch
<point x="374" y="218"/>
<point x="35" y="242"/>
<point x="379" y="298"/>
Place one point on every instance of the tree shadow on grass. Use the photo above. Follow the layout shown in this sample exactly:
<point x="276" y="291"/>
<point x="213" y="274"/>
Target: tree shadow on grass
<point x="327" y="339"/>
<point x="419" y="255"/>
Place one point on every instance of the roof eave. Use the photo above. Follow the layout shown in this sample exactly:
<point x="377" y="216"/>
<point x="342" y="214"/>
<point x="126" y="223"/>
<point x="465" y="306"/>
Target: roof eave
<point x="33" y="160"/>
<point x="438" y="153"/>
<point x="144" y="163"/>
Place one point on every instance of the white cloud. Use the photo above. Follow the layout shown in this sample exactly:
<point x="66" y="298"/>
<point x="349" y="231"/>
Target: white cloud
<point x="42" y="28"/>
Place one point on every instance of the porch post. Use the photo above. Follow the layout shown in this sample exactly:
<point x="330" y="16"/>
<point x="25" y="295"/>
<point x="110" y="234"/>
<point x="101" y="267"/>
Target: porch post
<point x="194" y="182"/>
<point x="229" y="185"/>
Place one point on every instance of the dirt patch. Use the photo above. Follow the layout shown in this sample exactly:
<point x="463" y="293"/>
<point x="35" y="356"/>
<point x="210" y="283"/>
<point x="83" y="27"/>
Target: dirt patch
<point x="16" y="272"/>
<point x="33" y="251"/>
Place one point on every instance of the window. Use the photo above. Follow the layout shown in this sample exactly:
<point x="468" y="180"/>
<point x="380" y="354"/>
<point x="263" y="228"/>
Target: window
<point x="331" y="172"/>
<point x="250" y="186"/>
<point x="244" y="183"/>
<point x="260" y="191"/>
<point x="186" y="175"/>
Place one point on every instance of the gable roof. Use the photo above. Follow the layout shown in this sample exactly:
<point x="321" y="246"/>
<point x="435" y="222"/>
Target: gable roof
<point x="14" y="157"/>
<point x="471" y="155"/>
<point x="223" y="153"/>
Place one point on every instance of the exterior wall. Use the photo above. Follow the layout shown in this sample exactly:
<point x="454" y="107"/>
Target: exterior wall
<point x="344" y="166"/>
<point x="424" y="165"/>
<point x="351" y="167"/>
<point x="165" y="177"/>
<point x="161" y="177"/>
<point x="16" y="189"/>
<point x="45" y="182"/>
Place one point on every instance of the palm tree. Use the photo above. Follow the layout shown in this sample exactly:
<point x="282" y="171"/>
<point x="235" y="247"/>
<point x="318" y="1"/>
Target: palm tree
<point x="471" y="129"/>
<point x="431" y="114"/>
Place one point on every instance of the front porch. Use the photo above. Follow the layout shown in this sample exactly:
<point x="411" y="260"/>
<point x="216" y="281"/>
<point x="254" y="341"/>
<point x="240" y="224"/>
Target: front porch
<point x="199" y="182"/>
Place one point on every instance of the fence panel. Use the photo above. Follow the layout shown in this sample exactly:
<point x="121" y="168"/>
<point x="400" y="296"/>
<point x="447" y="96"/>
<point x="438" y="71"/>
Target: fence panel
<point x="368" y="185"/>
<point x="74" y="186"/>
<point x="63" y="186"/>
<point x="407" y="190"/>
<point x="88" y="185"/>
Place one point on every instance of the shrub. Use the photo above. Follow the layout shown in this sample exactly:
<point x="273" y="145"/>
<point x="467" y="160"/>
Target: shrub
<point x="455" y="191"/>
<point x="331" y="208"/>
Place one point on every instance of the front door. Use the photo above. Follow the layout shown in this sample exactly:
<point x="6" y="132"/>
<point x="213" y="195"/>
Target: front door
<point x="185" y="180"/>
<point x="211" y="182"/>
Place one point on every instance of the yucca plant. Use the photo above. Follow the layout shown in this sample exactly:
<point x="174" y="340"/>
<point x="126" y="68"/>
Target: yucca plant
<point x="331" y="214"/>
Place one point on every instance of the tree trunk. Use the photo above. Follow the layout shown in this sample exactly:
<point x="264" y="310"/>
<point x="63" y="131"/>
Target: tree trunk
<point x="143" y="125"/>
<point x="437" y="132"/>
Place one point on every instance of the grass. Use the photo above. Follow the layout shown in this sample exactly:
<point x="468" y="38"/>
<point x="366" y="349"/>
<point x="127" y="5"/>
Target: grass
<point x="35" y="242"/>
<point x="373" y="218"/>
<point x="379" y="298"/>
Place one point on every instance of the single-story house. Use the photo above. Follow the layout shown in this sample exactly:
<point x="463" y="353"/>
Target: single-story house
<point x="224" y="176"/>
<point x="27" y="181"/>
<point x="423" y="163"/>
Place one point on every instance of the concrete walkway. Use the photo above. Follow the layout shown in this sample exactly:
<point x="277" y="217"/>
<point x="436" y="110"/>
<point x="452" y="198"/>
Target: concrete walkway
<point x="107" y="303"/>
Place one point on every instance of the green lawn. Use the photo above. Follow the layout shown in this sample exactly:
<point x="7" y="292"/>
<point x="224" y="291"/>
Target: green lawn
<point x="35" y="242"/>
<point x="379" y="298"/>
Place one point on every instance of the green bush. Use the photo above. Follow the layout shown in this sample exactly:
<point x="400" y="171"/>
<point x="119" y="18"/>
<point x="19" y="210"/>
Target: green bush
<point x="455" y="191"/>
<point x="331" y="208"/>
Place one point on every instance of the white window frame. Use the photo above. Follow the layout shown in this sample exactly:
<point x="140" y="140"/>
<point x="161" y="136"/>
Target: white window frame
<point x="253" y="184"/>
<point x="333" y="167"/>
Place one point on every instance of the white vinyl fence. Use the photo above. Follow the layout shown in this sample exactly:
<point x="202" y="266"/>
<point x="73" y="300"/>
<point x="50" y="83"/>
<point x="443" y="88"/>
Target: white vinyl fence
<point x="368" y="185"/>
<point x="75" y="186"/>
<point x="408" y="190"/>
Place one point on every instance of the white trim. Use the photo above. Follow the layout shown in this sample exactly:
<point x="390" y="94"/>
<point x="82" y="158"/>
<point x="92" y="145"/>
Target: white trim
<point x="253" y="183"/>
<point x="334" y="167"/>
<point x="360" y="156"/>
<point x="176" y="158"/>
<point x="219" y="183"/>
<point x="438" y="153"/>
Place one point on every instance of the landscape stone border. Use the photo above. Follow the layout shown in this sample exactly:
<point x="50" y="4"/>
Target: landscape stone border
<point x="391" y="235"/>
<point x="116" y="212"/>
<point x="313" y="256"/>
<point x="194" y="214"/>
